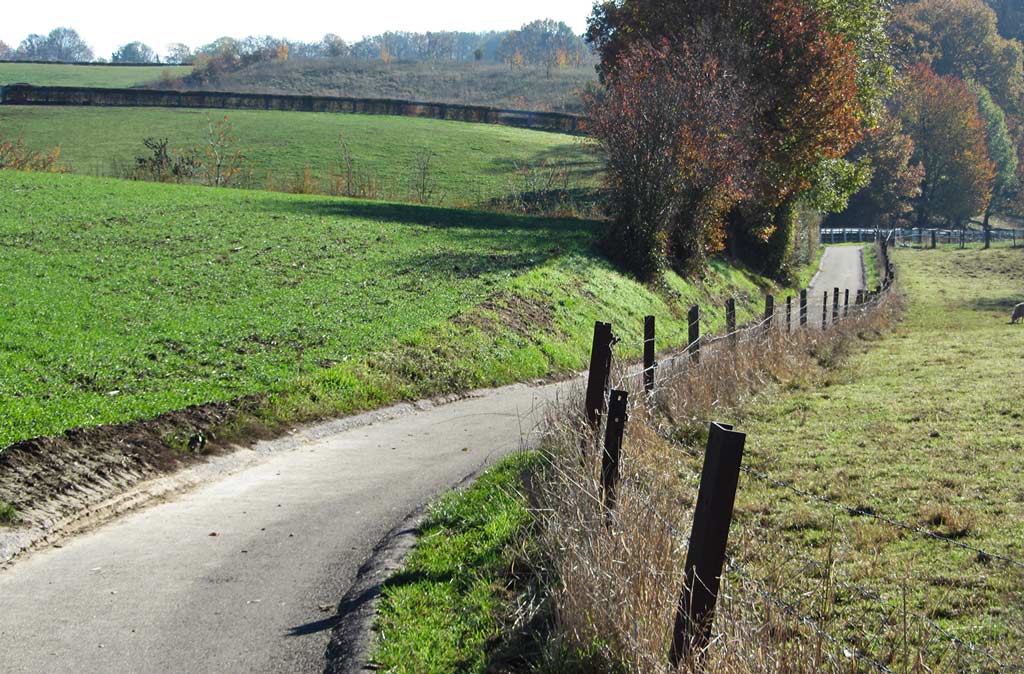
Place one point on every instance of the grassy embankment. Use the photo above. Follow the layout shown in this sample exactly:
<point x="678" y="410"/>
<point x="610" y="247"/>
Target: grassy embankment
<point x="491" y="84"/>
<point x="921" y="428"/>
<point x="61" y="75"/>
<point x="126" y="300"/>
<point x="468" y="164"/>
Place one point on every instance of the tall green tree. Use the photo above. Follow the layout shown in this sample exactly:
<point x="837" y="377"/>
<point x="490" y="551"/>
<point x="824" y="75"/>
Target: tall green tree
<point x="1001" y="150"/>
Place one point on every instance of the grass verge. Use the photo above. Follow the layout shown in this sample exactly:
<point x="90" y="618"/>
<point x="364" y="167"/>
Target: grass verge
<point x="449" y="605"/>
<point x="926" y="432"/>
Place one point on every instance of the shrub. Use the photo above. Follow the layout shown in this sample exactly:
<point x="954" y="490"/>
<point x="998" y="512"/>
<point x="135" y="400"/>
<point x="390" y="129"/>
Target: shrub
<point x="16" y="156"/>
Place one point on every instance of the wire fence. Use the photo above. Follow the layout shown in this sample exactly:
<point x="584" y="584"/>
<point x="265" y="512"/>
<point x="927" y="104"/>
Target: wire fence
<point x="861" y="628"/>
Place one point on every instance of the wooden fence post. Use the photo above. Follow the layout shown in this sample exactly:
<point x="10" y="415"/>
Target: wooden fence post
<point x="709" y="536"/>
<point x="730" y="320"/>
<point x="617" y="415"/>
<point x="600" y="369"/>
<point x="835" y="305"/>
<point x="769" y="312"/>
<point x="649" y="364"/>
<point x="860" y="296"/>
<point x="934" y="243"/>
<point x="789" y="314"/>
<point x="694" y="336"/>
<point x="824" y="311"/>
<point x="803" y="307"/>
<point x="846" y="303"/>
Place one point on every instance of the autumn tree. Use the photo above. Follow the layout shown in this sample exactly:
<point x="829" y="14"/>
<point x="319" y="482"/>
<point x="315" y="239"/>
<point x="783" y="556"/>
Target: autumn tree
<point x="961" y="38"/>
<point x="5" y="51"/>
<point x="895" y="181"/>
<point x="673" y="122"/>
<point x="941" y="114"/>
<point x="805" y="108"/>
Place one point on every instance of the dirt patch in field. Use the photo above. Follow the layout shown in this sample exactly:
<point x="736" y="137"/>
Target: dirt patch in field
<point x="49" y="479"/>
<point x="510" y="311"/>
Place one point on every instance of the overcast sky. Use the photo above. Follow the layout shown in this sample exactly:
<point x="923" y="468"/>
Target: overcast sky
<point x="107" y="24"/>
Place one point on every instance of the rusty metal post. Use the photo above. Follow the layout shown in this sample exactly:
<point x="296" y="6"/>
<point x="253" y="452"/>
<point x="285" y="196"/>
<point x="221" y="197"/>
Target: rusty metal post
<point x="803" y="307"/>
<point x="617" y="415"/>
<point x="649" y="364"/>
<point x="694" y="336"/>
<point x="709" y="536"/>
<point x="600" y="370"/>
<point x="730" y="320"/>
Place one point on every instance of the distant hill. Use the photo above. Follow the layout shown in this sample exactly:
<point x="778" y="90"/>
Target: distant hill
<point x="523" y="87"/>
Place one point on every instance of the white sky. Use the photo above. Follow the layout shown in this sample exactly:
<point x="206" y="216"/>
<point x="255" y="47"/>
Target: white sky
<point x="107" y="24"/>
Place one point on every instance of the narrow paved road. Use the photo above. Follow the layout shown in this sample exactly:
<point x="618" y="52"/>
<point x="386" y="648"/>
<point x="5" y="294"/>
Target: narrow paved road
<point x="243" y="574"/>
<point x="157" y="592"/>
<point x="841" y="267"/>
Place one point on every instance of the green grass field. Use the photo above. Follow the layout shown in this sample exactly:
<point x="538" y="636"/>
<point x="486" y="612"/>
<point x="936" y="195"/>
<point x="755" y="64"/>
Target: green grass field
<point x="923" y="428"/>
<point x="470" y="164"/>
<point x="124" y="300"/>
<point x="61" y="75"/>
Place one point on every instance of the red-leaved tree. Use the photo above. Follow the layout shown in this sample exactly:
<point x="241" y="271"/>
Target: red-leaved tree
<point x="799" y="90"/>
<point x="674" y="121"/>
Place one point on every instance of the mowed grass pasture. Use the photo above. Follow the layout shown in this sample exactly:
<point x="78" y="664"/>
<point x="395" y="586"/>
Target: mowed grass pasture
<point x="922" y="427"/>
<point x="123" y="300"/>
<point x="65" y="75"/>
<point x="467" y="164"/>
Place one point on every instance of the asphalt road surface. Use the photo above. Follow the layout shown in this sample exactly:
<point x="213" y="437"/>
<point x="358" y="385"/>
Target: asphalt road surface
<point x="243" y="574"/>
<point x="841" y="267"/>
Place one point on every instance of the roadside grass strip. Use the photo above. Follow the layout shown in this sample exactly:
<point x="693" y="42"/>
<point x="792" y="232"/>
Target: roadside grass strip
<point x="449" y="604"/>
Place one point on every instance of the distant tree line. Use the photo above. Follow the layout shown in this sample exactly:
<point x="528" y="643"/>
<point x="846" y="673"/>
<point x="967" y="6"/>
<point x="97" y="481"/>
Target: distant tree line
<point x="542" y="42"/>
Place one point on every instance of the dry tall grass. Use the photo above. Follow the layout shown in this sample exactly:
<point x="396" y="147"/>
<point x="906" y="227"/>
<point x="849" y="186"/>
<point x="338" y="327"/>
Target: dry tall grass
<point x="614" y="581"/>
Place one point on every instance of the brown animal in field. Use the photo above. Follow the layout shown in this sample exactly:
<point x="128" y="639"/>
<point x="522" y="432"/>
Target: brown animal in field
<point x="1018" y="313"/>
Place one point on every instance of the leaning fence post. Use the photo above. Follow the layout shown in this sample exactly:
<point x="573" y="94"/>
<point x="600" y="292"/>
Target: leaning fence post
<point x="824" y="311"/>
<point x="649" y="364"/>
<point x="789" y="314"/>
<point x="730" y="319"/>
<point x="617" y="416"/>
<point x="694" y="318"/>
<point x="709" y="536"/>
<point x="803" y="307"/>
<point x="846" y="302"/>
<point x="835" y="304"/>
<point x="769" y="312"/>
<point x="860" y="296"/>
<point x="600" y="369"/>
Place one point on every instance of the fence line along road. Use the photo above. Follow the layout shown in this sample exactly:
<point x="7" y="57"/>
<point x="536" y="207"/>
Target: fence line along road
<point x="722" y="461"/>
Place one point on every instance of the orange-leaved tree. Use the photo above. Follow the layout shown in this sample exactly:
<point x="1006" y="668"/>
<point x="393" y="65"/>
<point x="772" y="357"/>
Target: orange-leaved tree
<point x="941" y="114"/>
